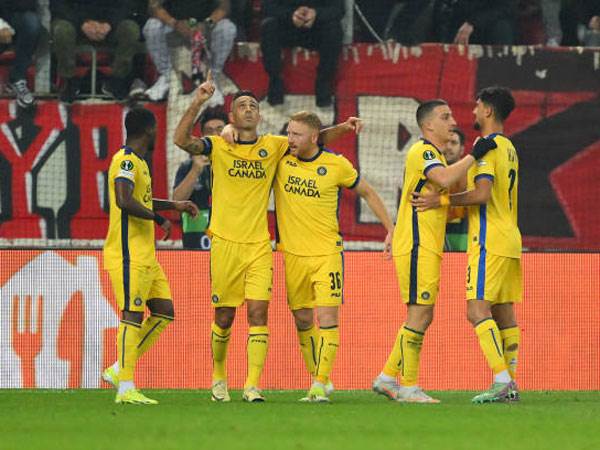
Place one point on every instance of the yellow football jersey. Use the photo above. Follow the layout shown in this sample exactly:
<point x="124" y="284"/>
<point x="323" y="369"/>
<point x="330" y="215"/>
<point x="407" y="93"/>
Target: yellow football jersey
<point x="493" y="226"/>
<point x="242" y="175"/>
<point x="130" y="240"/>
<point x="425" y="229"/>
<point x="307" y="196"/>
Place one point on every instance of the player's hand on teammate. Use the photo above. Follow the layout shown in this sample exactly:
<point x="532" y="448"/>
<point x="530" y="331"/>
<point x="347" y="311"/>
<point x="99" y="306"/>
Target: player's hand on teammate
<point x="423" y="202"/>
<point x="387" y="245"/>
<point x="353" y="124"/>
<point x="186" y="206"/>
<point x="206" y="89"/>
<point x="230" y="134"/>
<point x="482" y="146"/>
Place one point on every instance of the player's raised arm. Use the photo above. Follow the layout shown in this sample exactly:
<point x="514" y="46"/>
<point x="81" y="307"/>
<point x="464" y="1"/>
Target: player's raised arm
<point x="366" y="191"/>
<point x="352" y="124"/>
<point x="183" y="134"/>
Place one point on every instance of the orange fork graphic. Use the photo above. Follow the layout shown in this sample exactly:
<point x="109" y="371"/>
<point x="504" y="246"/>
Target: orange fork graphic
<point x="27" y="335"/>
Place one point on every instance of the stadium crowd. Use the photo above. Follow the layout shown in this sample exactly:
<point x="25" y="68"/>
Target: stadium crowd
<point x="134" y="31"/>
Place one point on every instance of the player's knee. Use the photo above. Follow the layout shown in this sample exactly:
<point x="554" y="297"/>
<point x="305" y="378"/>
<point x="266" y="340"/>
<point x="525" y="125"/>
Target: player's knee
<point x="132" y="316"/>
<point x="162" y="307"/>
<point x="257" y="317"/>
<point x="474" y="316"/>
<point x="304" y="320"/>
<point x="224" y="317"/>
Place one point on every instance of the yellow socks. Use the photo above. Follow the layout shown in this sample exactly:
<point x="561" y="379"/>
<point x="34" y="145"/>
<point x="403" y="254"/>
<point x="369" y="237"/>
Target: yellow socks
<point x="491" y="344"/>
<point x="406" y="355"/>
<point x="128" y="338"/>
<point x="511" y="339"/>
<point x="151" y="329"/>
<point x="308" y="346"/>
<point x="219" y="341"/>
<point x="258" y="343"/>
<point x="393" y="364"/>
<point x="329" y="342"/>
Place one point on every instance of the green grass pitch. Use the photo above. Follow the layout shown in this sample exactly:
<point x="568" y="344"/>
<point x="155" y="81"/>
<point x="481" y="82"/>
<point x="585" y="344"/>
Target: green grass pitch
<point x="88" y="419"/>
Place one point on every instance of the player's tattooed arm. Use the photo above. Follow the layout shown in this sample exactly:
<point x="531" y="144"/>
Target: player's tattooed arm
<point x="183" y="134"/>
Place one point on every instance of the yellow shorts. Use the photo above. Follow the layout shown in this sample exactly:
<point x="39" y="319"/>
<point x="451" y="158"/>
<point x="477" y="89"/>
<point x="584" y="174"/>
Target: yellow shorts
<point x="240" y="272"/>
<point x="497" y="279"/>
<point x="419" y="276"/>
<point x="135" y="285"/>
<point x="314" y="280"/>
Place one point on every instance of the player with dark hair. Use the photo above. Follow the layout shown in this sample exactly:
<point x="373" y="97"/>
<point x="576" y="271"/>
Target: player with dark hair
<point x="418" y="245"/>
<point x="241" y="254"/>
<point x="494" y="279"/>
<point x="193" y="182"/>
<point x="129" y="255"/>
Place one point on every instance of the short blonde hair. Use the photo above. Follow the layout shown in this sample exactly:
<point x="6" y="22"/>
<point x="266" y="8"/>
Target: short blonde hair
<point x="307" y="118"/>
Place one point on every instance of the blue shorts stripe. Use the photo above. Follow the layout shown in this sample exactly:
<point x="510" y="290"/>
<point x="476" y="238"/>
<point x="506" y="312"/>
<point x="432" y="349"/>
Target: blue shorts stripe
<point x="482" y="252"/>
<point x="126" y="259"/>
<point x="343" y="279"/>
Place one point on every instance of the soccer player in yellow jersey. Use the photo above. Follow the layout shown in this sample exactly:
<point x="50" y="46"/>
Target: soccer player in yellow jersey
<point x="241" y="254"/>
<point x="129" y="257"/>
<point x="494" y="280"/>
<point x="418" y="245"/>
<point x="307" y="192"/>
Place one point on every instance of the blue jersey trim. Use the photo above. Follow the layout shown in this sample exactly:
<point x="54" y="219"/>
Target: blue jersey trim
<point x="431" y="166"/>
<point x="251" y="142"/>
<point x="208" y="146"/>
<point x="353" y="185"/>
<point x="482" y="252"/>
<point x="484" y="175"/>
<point x="313" y="158"/>
<point x="124" y="179"/>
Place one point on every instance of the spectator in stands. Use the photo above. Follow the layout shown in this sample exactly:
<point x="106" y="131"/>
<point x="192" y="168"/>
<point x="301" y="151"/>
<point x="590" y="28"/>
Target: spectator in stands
<point x="20" y="27"/>
<point x="580" y="22"/>
<point x="173" y="23"/>
<point x="474" y="21"/>
<point x="193" y="182"/>
<point x="313" y="24"/>
<point x="104" y="22"/>
<point x="457" y="224"/>
<point x="550" y="16"/>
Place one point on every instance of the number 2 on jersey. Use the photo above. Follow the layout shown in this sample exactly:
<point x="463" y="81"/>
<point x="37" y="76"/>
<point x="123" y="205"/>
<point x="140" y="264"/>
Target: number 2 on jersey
<point x="512" y="175"/>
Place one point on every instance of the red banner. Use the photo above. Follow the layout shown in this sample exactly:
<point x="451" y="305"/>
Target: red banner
<point x="53" y="163"/>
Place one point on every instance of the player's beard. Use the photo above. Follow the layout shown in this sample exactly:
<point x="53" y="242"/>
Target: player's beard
<point x="476" y="126"/>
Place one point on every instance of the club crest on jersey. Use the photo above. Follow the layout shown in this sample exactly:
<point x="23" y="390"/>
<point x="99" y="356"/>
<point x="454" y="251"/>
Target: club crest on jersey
<point x="428" y="155"/>
<point x="425" y="295"/>
<point x="263" y="153"/>
<point x="127" y="165"/>
<point x="137" y="301"/>
<point x="322" y="171"/>
<point x="215" y="298"/>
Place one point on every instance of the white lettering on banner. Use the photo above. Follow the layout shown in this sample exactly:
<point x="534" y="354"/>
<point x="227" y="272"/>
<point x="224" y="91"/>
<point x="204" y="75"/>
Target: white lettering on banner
<point x="382" y="147"/>
<point x="33" y="303"/>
